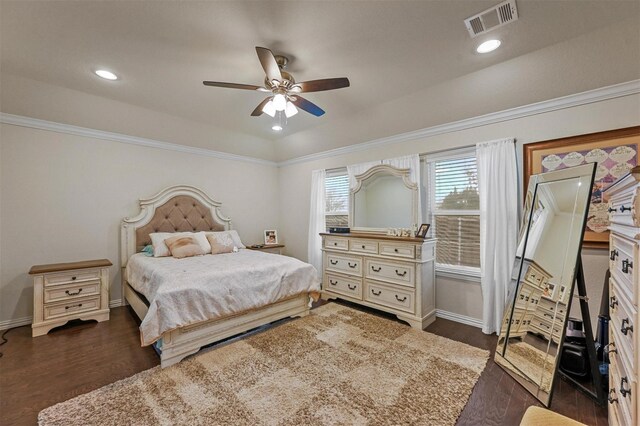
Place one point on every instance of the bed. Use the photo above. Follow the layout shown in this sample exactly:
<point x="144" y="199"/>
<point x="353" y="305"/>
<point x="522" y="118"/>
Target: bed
<point x="184" y="304"/>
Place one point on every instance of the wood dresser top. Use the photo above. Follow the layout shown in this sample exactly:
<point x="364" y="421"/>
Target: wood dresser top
<point x="377" y="237"/>
<point x="57" y="267"/>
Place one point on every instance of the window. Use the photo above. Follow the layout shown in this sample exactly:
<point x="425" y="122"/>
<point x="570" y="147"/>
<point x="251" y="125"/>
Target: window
<point x="336" y="186"/>
<point x="454" y="207"/>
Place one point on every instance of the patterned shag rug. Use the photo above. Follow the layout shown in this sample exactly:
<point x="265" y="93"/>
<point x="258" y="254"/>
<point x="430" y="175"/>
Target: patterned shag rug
<point x="336" y="366"/>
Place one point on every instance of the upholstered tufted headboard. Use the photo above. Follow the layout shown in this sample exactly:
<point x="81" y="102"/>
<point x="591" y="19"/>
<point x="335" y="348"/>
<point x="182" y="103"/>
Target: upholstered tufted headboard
<point x="178" y="208"/>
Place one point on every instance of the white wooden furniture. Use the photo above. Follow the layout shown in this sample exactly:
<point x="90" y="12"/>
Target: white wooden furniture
<point x="268" y="248"/>
<point x="185" y="208"/>
<point x="393" y="274"/>
<point x="68" y="291"/>
<point x="624" y="293"/>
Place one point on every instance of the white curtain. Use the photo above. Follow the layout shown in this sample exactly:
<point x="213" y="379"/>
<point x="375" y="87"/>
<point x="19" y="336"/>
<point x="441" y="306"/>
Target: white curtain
<point x="316" y="219"/>
<point x="357" y="169"/>
<point x="498" y="187"/>
<point x="411" y="162"/>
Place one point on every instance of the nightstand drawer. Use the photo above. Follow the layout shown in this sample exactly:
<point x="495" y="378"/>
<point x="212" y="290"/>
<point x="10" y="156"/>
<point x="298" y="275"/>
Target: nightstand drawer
<point x="71" y="291"/>
<point x="70" y="277"/>
<point x="74" y="306"/>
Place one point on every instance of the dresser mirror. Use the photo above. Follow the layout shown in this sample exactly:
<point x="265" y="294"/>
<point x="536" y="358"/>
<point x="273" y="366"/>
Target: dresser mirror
<point x="384" y="197"/>
<point x="545" y="269"/>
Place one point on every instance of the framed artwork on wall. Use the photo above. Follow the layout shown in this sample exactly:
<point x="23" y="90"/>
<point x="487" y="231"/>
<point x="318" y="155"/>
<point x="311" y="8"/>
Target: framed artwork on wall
<point x="615" y="151"/>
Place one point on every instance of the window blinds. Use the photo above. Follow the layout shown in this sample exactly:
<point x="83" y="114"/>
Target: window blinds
<point x="456" y="184"/>
<point x="337" y="198"/>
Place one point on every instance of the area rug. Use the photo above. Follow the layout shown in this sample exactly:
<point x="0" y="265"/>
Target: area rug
<point x="337" y="366"/>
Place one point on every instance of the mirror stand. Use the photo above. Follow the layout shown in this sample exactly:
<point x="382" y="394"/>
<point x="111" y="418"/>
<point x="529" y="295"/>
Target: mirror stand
<point x="596" y="376"/>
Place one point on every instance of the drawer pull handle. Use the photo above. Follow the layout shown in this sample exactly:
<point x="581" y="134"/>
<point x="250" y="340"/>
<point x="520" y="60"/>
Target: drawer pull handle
<point x="626" y="329"/>
<point x="79" y="305"/>
<point x="611" y="399"/>
<point x="624" y="209"/>
<point x="373" y="268"/>
<point x="626" y="264"/>
<point x="614" y="254"/>
<point x="611" y="209"/>
<point x="73" y="294"/>
<point x="352" y="266"/>
<point x="376" y="294"/>
<point x="352" y="288"/>
<point x="613" y="302"/>
<point x="332" y="282"/>
<point x="333" y="262"/>
<point x="608" y="350"/>
<point x="624" y="391"/>
<point x="401" y="300"/>
<point x="401" y="274"/>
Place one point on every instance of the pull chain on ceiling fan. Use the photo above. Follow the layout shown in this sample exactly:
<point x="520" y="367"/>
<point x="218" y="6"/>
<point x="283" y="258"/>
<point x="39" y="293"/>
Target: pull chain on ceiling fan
<point x="283" y="87"/>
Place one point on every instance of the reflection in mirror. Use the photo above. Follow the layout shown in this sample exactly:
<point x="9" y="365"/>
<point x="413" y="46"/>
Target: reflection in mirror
<point x="384" y="198"/>
<point x="544" y="272"/>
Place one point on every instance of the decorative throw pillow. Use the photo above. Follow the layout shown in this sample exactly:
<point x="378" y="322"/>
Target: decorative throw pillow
<point x="160" y="249"/>
<point x="184" y="246"/>
<point x="234" y="236"/>
<point x="221" y="242"/>
<point x="147" y="250"/>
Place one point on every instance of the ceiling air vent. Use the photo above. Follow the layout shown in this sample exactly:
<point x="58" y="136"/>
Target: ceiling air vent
<point x="495" y="17"/>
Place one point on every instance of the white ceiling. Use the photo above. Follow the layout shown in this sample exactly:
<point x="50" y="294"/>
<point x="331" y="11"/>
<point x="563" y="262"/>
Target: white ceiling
<point x="164" y="50"/>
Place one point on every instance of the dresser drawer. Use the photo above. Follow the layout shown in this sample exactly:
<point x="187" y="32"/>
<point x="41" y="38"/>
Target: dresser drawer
<point x="623" y="316"/>
<point x="71" y="291"/>
<point x="335" y="243"/>
<point x="624" y="207"/>
<point x="343" y="263"/>
<point x="69" y="307"/>
<point x="623" y="263"/>
<point x="70" y="277"/>
<point x="625" y="386"/>
<point x="347" y="286"/>
<point x="535" y="277"/>
<point x="393" y="272"/>
<point x="364" y="246"/>
<point x="398" y="250"/>
<point x="392" y="297"/>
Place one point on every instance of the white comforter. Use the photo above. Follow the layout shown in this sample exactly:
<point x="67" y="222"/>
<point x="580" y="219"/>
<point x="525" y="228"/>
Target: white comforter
<point x="194" y="289"/>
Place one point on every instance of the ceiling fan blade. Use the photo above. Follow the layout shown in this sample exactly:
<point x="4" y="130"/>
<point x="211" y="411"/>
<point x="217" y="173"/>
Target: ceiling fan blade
<point x="304" y="104"/>
<point x="258" y="111"/>
<point x="235" y="86"/>
<point x="269" y="63"/>
<point x="324" y="84"/>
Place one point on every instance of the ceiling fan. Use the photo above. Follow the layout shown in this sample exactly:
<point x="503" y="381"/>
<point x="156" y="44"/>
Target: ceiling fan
<point x="285" y="92"/>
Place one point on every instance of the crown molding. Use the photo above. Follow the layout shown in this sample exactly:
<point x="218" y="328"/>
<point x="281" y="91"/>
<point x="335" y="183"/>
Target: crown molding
<point x="35" y="123"/>
<point x="583" y="98"/>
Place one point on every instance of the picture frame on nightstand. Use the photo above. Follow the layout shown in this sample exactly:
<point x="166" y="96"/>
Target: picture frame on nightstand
<point x="270" y="236"/>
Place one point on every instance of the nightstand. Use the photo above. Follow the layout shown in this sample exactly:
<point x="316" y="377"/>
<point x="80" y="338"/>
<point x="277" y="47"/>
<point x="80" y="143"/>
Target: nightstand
<point x="67" y="291"/>
<point x="268" y="248"/>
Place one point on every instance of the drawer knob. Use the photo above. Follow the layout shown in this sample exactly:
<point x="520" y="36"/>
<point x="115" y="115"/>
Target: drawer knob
<point x="373" y="268"/>
<point x="332" y="282"/>
<point x="624" y="209"/>
<point x="79" y="305"/>
<point x="611" y="209"/>
<point x="401" y="300"/>
<point x="376" y="294"/>
<point x="73" y="294"/>
<point x="401" y="274"/>
<point x="626" y="265"/>
<point x="613" y="302"/>
<point x="335" y="244"/>
<point x="362" y="246"/>
<point x="352" y="288"/>
<point x="626" y="329"/>
<point x="614" y="254"/>
<point x="73" y="278"/>
<point x="352" y="266"/>
<point x="612" y="399"/>
<point x="609" y="350"/>
<point x="624" y="392"/>
<point x="395" y="250"/>
<point x="333" y="262"/>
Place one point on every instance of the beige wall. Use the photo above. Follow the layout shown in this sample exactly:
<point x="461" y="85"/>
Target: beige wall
<point x="295" y="179"/>
<point x="63" y="197"/>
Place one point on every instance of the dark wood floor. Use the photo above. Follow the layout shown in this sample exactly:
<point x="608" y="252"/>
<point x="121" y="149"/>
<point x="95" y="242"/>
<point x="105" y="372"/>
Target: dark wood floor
<point x="80" y="357"/>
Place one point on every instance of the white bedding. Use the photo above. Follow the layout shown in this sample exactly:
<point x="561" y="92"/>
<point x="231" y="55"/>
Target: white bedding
<point x="200" y="288"/>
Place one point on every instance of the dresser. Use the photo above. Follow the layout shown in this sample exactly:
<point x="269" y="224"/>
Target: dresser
<point x="67" y="291"/>
<point x="623" y="199"/>
<point x="393" y="274"/>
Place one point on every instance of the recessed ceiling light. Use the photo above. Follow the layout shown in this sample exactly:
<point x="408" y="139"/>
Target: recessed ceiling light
<point x="488" y="46"/>
<point x="108" y="75"/>
<point x="276" y="127"/>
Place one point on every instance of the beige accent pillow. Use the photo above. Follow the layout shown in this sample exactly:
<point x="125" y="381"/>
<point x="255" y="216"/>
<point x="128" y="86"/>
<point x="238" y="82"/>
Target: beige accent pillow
<point x="221" y="242"/>
<point x="160" y="249"/>
<point x="184" y="246"/>
<point x="234" y="236"/>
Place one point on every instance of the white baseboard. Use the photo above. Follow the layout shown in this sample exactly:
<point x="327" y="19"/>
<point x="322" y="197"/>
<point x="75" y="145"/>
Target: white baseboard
<point x="452" y="316"/>
<point x="18" y="322"/>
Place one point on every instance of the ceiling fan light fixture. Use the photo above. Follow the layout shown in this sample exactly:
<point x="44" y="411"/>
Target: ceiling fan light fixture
<point x="269" y="109"/>
<point x="290" y="110"/>
<point x="276" y="128"/>
<point x="279" y="102"/>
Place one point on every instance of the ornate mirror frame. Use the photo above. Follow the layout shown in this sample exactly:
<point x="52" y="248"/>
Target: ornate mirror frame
<point x="374" y="171"/>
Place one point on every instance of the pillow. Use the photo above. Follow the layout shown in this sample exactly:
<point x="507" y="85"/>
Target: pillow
<point x="184" y="246"/>
<point x="234" y="236"/>
<point x="221" y="242"/>
<point x="147" y="250"/>
<point x="160" y="249"/>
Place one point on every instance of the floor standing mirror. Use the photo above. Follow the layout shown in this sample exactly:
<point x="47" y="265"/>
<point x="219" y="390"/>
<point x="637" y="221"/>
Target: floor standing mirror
<point x="547" y="265"/>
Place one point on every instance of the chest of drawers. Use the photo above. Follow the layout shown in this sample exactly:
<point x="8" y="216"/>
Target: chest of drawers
<point x="623" y="199"/>
<point x="393" y="274"/>
<point x="67" y="291"/>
